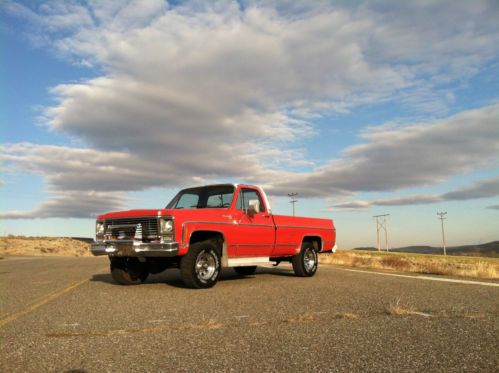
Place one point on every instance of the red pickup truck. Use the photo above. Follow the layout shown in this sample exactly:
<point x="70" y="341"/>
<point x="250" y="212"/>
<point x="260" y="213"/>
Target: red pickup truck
<point x="206" y="228"/>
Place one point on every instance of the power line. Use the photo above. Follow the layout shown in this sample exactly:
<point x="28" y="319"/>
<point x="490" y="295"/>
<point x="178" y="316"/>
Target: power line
<point x="442" y="217"/>
<point x="293" y="200"/>
<point x="382" y="225"/>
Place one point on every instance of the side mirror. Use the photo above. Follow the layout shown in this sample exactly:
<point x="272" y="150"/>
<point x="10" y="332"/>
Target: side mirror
<point x="253" y="207"/>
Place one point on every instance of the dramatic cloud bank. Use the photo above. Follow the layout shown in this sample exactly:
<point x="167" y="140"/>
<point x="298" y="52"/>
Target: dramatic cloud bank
<point x="71" y="204"/>
<point x="483" y="189"/>
<point x="201" y="92"/>
<point x="416" y="155"/>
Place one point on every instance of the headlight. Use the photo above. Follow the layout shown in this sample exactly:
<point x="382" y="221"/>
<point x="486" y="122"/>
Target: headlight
<point x="166" y="226"/>
<point x="99" y="229"/>
<point x="166" y="229"/>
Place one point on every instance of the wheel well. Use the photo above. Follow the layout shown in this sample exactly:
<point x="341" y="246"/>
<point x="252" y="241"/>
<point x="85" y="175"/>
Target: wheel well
<point x="216" y="237"/>
<point x="316" y="242"/>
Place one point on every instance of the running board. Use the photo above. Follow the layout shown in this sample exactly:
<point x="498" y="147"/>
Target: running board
<point x="252" y="261"/>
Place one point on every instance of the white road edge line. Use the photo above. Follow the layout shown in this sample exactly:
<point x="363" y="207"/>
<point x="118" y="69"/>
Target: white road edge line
<point x="423" y="277"/>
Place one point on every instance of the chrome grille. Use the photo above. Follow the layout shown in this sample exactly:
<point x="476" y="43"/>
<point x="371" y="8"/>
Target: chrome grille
<point x="124" y="228"/>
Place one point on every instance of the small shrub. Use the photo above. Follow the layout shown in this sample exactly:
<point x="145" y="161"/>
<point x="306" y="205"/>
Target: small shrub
<point x="301" y="318"/>
<point x="436" y="269"/>
<point x="398" y="309"/>
<point x="395" y="262"/>
<point x="345" y="315"/>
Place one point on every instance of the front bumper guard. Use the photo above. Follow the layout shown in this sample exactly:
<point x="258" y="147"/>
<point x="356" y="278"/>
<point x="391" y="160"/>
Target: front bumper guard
<point x="134" y="248"/>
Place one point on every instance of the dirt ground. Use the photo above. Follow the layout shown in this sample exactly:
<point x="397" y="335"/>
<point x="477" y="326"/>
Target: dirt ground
<point x="42" y="246"/>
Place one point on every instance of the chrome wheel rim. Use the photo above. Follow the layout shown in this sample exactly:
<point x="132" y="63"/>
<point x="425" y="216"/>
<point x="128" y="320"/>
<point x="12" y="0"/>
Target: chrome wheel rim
<point x="206" y="265"/>
<point x="310" y="260"/>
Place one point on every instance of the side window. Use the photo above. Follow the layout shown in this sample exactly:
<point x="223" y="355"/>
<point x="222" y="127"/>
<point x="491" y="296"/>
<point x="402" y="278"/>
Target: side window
<point x="247" y="195"/>
<point x="219" y="200"/>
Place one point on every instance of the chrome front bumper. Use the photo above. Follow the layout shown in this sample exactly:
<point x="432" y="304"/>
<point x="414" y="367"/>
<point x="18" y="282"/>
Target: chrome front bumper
<point x="134" y="248"/>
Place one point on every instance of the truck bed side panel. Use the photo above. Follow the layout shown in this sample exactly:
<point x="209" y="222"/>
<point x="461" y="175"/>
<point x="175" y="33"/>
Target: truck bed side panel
<point x="291" y="230"/>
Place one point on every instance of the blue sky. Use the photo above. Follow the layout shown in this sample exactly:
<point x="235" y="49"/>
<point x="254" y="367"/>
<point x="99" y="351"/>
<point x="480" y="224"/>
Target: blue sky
<point x="366" y="108"/>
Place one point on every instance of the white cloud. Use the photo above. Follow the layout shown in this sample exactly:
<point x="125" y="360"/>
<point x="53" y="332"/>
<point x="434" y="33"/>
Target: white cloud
<point x="415" y="155"/>
<point x="223" y="91"/>
<point x="352" y="206"/>
<point x="483" y="189"/>
<point x="72" y="205"/>
<point x="83" y="169"/>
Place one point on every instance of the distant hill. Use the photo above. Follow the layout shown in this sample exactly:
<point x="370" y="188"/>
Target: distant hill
<point x="490" y="249"/>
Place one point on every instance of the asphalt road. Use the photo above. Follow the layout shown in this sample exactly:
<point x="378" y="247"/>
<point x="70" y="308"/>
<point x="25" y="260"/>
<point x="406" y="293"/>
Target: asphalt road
<point x="66" y="314"/>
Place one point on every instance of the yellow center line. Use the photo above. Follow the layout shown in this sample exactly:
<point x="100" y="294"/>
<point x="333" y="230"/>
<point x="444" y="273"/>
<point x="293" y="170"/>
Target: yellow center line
<point x="36" y="305"/>
<point x="46" y="299"/>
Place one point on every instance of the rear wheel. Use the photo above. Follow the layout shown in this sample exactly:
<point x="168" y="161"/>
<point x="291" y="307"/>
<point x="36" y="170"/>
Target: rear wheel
<point x="200" y="267"/>
<point x="245" y="271"/>
<point x="128" y="271"/>
<point x="306" y="261"/>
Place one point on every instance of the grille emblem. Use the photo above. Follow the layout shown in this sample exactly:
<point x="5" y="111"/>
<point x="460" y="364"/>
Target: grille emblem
<point x="138" y="232"/>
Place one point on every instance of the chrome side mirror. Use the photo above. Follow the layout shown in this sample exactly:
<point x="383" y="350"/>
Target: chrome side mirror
<point x="253" y="207"/>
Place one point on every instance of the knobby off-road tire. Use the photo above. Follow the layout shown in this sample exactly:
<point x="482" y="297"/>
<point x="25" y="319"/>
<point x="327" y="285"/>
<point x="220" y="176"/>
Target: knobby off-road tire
<point x="245" y="271"/>
<point x="128" y="271"/>
<point x="306" y="261"/>
<point x="201" y="266"/>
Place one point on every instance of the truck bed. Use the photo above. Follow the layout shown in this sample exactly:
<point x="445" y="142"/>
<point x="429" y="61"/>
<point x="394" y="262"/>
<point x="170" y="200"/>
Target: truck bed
<point x="290" y="231"/>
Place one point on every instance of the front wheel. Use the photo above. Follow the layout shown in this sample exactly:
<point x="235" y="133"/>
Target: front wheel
<point x="200" y="267"/>
<point x="306" y="261"/>
<point x="128" y="271"/>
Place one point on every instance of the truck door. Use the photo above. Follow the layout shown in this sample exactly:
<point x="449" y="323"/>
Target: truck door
<point x="255" y="235"/>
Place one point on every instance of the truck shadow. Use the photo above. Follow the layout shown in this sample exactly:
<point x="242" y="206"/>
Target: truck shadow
<point x="276" y="271"/>
<point x="171" y="277"/>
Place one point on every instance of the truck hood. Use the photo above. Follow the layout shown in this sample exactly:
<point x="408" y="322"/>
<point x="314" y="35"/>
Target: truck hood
<point x="180" y="213"/>
<point x="131" y="214"/>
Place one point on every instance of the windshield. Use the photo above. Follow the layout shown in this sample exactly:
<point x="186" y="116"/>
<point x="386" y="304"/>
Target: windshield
<point x="215" y="196"/>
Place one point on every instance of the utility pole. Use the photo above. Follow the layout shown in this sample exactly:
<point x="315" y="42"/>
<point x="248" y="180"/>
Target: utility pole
<point x="386" y="232"/>
<point x="381" y="224"/>
<point x="441" y="216"/>
<point x="293" y="200"/>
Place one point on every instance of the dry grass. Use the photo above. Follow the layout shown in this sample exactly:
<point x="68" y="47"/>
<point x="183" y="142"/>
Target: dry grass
<point x="399" y="309"/>
<point x="485" y="268"/>
<point x="304" y="317"/>
<point x="308" y="316"/>
<point x="42" y="246"/>
<point x="210" y="324"/>
<point x="475" y="315"/>
<point x="345" y="315"/>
